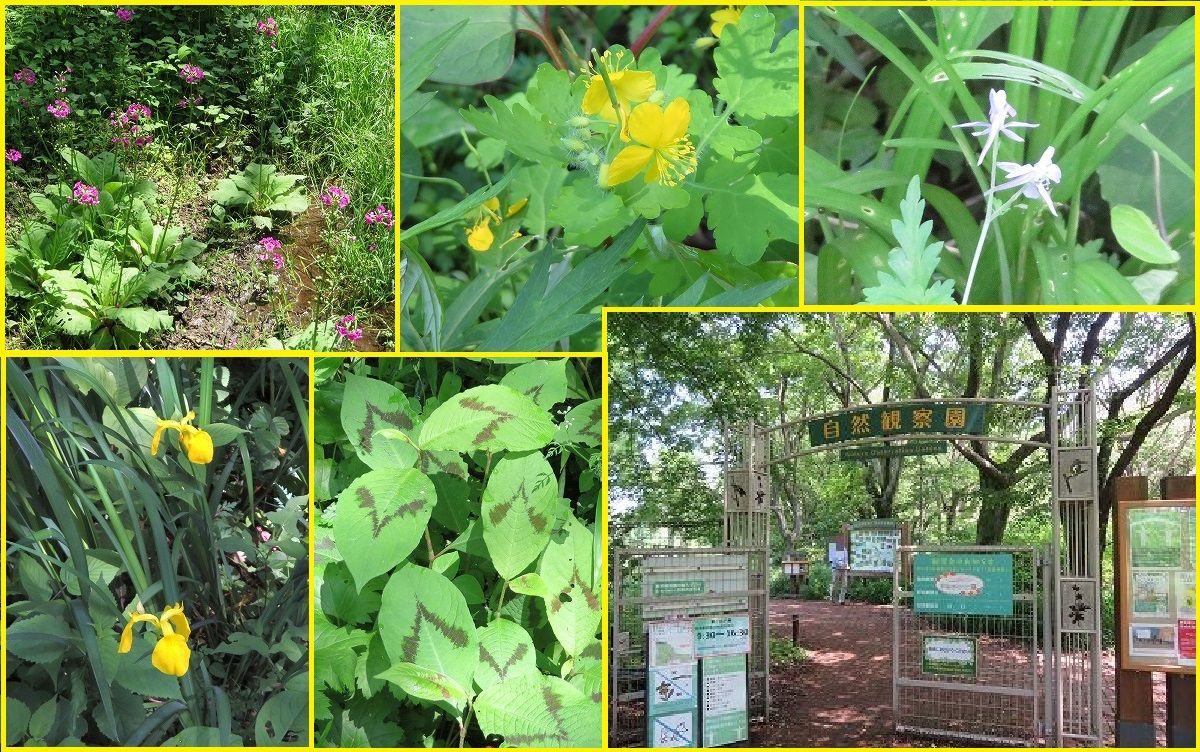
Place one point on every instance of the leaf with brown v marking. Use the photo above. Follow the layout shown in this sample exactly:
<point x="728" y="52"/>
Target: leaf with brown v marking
<point x="505" y="651"/>
<point x="488" y="418"/>
<point x="519" y="511"/>
<point x="379" y="422"/>
<point x="539" y="711"/>
<point x="380" y="519"/>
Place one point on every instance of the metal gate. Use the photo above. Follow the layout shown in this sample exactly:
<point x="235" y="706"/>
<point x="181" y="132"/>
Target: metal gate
<point x="649" y="584"/>
<point x="999" y="702"/>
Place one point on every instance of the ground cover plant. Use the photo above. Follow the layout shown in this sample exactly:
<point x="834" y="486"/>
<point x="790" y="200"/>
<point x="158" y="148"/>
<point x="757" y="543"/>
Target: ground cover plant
<point x="457" y="572"/>
<point x="557" y="160"/>
<point x="199" y="177"/>
<point x="156" y="552"/>
<point x="999" y="155"/>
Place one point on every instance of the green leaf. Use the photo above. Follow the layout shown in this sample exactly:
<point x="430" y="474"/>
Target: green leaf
<point x="539" y="711"/>
<point x="519" y="507"/>
<point x="568" y="569"/>
<point x="526" y="133"/>
<point x="39" y="639"/>
<point x="368" y="407"/>
<point x="543" y="381"/>
<point x="283" y="715"/>
<point x="340" y="598"/>
<point x="747" y="211"/>
<point x="17" y="718"/>
<point x="505" y="652"/>
<point x="424" y="620"/>
<point x="425" y="683"/>
<point x="480" y="50"/>
<point x="588" y="214"/>
<point x="201" y="736"/>
<point x="380" y="519"/>
<point x="581" y="425"/>
<point x="224" y="433"/>
<point x="335" y="653"/>
<point x="530" y="583"/>
<point x="914" y="261"/>
<point x="135" y="672"/>
<point x="755" y="76"/>
<point x="1137" y="234"/>
<point x="488" y="418"/>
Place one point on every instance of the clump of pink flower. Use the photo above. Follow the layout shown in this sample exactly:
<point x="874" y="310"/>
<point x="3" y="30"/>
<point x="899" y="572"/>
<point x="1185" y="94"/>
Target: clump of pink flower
<point x="268" y="250"/>
<point x="125" y="15"/>
<point x="380" y="215"/>
<point x="193" y="74"/>
<point x="86" y="194"/>
<point x="59" y="109"/>
<point x="25" y="76"/>
<point x="343" y="329"/>
<point x="12" y="155"/>
<point x="268" y="28"/>
<point x="127" y="121"/>
<point x="334" y="194"/>
<point x="184" y="103"/>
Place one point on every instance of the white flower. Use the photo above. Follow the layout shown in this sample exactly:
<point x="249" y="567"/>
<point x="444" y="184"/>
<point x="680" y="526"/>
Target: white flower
<point x="1034" y="180"/>
<point x="998" y="115"/>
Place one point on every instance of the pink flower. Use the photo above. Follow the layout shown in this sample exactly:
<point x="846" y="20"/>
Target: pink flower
<point x="343" y="329"/>
<point x="379" y="215"/>
<point x="334" y="193"/>
<point x="268" y="28"/>
<point x="59" y="109"/>
<point x="12" y="155"/>
<point x="86" y="194"/>
<point x="125" y="15"/>
<point x="193" y="74"/>
<point x="268" y="249"/>
<point x="182" y="104"/>
<point x="25" y="76"/>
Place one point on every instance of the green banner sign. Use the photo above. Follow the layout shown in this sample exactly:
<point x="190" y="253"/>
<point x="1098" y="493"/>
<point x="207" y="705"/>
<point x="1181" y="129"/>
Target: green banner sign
<point x="908" y="449"/>
<point x="954" y="583"/>
<point x="949" y="655"/>
<point x="678" y="587"/>
<point x="892" y="420"/>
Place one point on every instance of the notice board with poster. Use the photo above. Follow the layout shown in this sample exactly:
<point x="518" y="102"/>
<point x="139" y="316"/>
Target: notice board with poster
<point x="1157" y="550"/>
<point x="873" y="545"/>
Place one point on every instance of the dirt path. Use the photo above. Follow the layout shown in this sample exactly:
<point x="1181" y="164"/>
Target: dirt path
<point x="842" y="696"/>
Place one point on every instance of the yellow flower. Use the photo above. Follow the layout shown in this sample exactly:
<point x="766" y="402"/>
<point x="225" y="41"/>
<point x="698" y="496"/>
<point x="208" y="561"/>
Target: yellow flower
<point x="171" y="653"/>
<point x="730" y="14"/>
<point x="197" y="444"/>
<point x="630" y="86"/>
<point x="661" y="142"/>
<point x="480" y="235"/>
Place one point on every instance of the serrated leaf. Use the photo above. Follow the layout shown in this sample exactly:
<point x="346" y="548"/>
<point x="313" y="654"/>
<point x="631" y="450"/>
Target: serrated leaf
<point x="487" y="418"/>
<point x="505" y="651"/>
<point x="380" y="519"/>
<point x="425" y="683"/>
<point x="913" y="261"/>
<point x="581" y="425"/>
<point x="544" y="381"/>
<point x="573" y="605"/>
<point x="755" y="76"/>
<point x="518" y="511"/>
<point x="335" y="653"/>
<point x="17" y="717"/>
<point x="424" y="620"/>
<point x="39" y="639"/>
<point x="524" y="132"/>
<point x="370" y="406"/>
<point x="539" y="711"/>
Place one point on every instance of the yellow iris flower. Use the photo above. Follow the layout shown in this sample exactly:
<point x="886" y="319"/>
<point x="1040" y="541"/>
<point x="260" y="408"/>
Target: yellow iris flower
<point x="631" y="87"/>
<point x="480" y="236"/>
<point x="660" y="141"/>
<point x="730" y="14"/>
<point x="196" y="443"/>
<point x="171" y="653"/>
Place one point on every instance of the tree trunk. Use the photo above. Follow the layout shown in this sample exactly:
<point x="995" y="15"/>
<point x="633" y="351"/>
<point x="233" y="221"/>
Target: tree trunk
<point x="993" y="511"/>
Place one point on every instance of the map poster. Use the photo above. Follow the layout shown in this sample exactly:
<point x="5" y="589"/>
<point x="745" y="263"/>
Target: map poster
<point x="873" y="549"/>
<point x="953" y="583"/>
<point x="671" y="642"/>
<point x="1152" y="639"/>
<point x="725" y="716"/>
<point x="1186" y="637"/>
<point x="1156" y="538"/>
<point x="1151" y="594"/>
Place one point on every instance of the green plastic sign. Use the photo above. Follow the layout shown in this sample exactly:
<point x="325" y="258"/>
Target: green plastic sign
<point x="949" y="655"/>
<point x="963" y="583"/>
<point x="678" y="587"/>
<point x="897" y="419"/>
<point x="724" y="718"/>
<point x="722" y="635"/>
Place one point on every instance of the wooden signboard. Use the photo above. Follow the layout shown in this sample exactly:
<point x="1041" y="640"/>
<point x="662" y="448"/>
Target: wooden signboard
<point x="1157" y="585"/>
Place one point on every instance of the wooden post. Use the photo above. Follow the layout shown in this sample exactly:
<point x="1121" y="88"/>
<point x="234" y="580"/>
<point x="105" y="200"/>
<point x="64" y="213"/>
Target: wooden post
<point x="1135" y="689"/>
<point x="1181" y="688"/>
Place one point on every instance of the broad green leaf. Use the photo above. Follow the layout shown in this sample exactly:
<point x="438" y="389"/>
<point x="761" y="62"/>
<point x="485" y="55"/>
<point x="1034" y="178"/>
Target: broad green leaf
<point x="757" y="77"/>
<point x="1137" y="234"/>
<point x="581" y="425"/>
<point x="746" y="211"/>
<point x="588" y="214"/>
<point x="568" y="569"/>
<point x="505" y="651"/>
<point x="370" y="406"/>
<point x="284" y="716"/>
<point x="335" y="651"/>
<point x="487" y="418"/>
<point x="526" y="133"/>
<point x="518" y="511"/>
<point x="17" y="719"/>
<point x="200" y="736"/>
<point x="481" y="49"/>
<point x="425" y="683"/>
<point x="424" y="620"/>
<point x="223" y="433"/>
<point x="135" y="672"/>
<point x="339" y="598"/>
<point x="39" y="639"/>
<point x="543" y="381"/>
<point x="539" y="711"/>
<point x="381" y="517"/>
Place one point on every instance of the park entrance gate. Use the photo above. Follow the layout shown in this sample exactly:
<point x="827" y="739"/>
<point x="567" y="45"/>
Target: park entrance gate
<point x="1050" y="690"/>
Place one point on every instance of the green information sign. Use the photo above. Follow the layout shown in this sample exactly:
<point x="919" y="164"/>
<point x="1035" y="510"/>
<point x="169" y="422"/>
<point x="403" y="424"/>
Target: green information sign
<point x="949" y="655"/>
<point x="908" y="449"/>
<point x="678" y="587"/>
<point x="724" y="717"/>
<point x="963" y="583"/>
<point x="1156" y="537"/>
<point x="909" y="418"/>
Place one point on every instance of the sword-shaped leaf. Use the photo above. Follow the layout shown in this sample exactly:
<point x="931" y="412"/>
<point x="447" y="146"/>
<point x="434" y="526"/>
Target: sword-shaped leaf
<point x="518" y="511"/>
<point x="488" y="418"/>
<point x="380" y="519"/>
